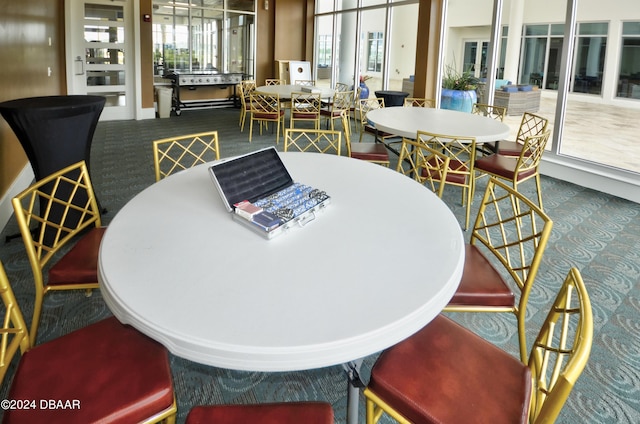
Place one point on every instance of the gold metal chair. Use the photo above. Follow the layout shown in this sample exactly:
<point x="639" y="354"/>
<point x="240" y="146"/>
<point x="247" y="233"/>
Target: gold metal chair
<point x="281" y="413"/>
<point x="371" y="152"/>
<point x="364" y="106"/>
<point x="129" y="372"/>
<point x="174" y="154"/>
<point x="462" y="155"/>
<point x="424" y="164"/>
<point x="245" y="88"/>
<point x="55" y="212"/>
<point x="305" y="107"/>
<point x="342" y="101"/>
<point x="419" y="102"/>
<point x="266" y="108"/>
<point x="494" y="112"/>
<point x="340" y="86"/>
<point x="274" y="81"/>
<point x="517" y="169"/>
<point x="509" y="237"/>
<point x="308" y="140"/>
<point x="531" y="125"/>
<point x="446" y="374"/>
<point x="305" y="83"/>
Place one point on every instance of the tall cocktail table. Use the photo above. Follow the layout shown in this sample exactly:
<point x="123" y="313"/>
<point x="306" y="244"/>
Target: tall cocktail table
<point x="175" y="265"/>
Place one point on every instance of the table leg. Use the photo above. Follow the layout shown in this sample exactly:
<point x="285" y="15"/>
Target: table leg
<point x="354" y="384"/>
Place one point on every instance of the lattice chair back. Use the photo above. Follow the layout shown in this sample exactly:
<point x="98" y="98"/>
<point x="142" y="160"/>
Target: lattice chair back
<point x="340" y="86"/>
<point x="306" y="140"/>
<point x="561" y="350"/>
<point x="274" y="81"/>
<point x="13" y="333"/>
<point x="462" y="156"/>
<point x="424" y="164"/>
<point x="531" y="154"/>
<point x="51" y="213"/>
<point x="531" y="125"/>
<point x="266" y="108"/>
<point x="174" y="154"/>
<point x="305" y="83"/>
<point x="494" y="112"/>
<point x="419" y="102"/>
<point x="305" y="107"/>
<point x="515" y="231"/>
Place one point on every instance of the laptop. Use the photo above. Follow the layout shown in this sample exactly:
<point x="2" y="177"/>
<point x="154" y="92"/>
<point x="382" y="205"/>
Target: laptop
<point x="261" y="194"/>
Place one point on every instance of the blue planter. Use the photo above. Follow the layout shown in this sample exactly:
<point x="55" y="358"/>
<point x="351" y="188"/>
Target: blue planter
<point x="458" y="100"/>
<point x="364" y="91"/>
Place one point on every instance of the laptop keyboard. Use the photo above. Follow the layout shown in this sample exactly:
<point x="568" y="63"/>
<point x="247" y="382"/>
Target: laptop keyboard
<point x="292" y="201"/>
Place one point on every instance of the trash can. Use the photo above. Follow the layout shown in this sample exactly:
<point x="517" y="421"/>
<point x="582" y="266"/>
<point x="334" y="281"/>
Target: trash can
<point x="164" y="95"/>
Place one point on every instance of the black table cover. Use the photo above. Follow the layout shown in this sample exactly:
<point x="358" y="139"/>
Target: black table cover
<point x="392" y="98"/>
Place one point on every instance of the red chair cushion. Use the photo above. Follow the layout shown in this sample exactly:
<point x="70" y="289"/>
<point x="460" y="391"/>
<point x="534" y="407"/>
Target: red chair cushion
<point x="481" y="283"/>
<point x="111" y="371"/>
<point x="80" y="264"/>
<point x="370" y="151"/>
<point x="446" y="374"/>
<point x="276" y="413"/>
<point x="503" y="166"/>
<point x="509" y="148"/>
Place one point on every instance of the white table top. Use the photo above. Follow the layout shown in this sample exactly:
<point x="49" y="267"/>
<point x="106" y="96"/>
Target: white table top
<point x="407" y="121"/>
<point x="374" y="267"/>
<point x="285" y="90"/>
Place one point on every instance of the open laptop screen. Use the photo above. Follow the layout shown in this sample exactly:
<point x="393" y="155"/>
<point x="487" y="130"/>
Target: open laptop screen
<point x="250" y="177"/>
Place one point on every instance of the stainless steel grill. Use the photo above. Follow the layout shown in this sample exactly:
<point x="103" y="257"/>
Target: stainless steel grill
<point x="191" y="81"/>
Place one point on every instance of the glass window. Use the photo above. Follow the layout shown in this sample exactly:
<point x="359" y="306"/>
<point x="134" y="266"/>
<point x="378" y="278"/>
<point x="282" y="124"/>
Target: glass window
<point x="589" y="58"/>
<point x="375" y="50"/>
<point x="629" y="74"/>
<point x="204" y="35"/>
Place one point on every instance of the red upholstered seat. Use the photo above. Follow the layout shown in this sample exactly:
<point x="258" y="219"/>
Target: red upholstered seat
<point x="503" y="166"/>
<point x="509" y="148"/>
<point x="80" y="264"/>
<point x="445" y="365"/>
<point x="481" y="283"/>
<point x="275" y="413"/>
<point x="106" y="372"/>
<point x="370" y="151"/>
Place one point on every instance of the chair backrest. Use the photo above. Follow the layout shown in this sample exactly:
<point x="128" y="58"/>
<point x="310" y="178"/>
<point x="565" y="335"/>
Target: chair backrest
<point x="495" y="112"/>
<point x="346" y="129"/>
<point x="515" y="231"/>
<point x="13" y="333"/>
<point x="307" y="83"/>
<point x="531" y="153"/>
<point x="365" y="105"/>
<point x="342" y="100"/>
<point x="305" y="106"/>
<point x="308" y="140"/>
<point x="340" y="86"/>
<point x="247" y="86"/>
<point x="424" y="164"/>
<point x="274" y="81"/>
<point x="562" y="349"/>
<point x="419" y="102"/>
<point x="174" y="154"/>
<point x="267" y="106"/>
<point x="460" y="150"/>
<point x="531" y="125"/>
<point x="54" y="210"/>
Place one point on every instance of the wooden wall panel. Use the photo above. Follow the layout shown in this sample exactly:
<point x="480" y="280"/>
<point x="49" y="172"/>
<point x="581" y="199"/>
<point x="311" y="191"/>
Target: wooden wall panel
<point x="25" y="54"/>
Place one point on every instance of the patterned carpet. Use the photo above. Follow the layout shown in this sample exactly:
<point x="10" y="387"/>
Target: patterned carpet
<point x="595" y="232"/>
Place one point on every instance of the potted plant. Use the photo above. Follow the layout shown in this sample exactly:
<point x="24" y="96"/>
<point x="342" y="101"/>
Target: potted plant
<point x="458" y="90"/>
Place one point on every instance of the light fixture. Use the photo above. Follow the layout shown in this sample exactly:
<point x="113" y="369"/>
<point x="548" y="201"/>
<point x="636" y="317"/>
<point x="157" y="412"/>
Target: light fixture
<point x="266" y="5"/>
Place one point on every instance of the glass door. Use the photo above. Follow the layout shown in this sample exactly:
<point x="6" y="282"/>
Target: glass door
<point x="99" y="56"/>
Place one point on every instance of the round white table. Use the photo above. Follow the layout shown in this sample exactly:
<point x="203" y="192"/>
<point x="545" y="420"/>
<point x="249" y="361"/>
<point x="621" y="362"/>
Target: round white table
<point x="407" y="121"/>
<point x="176" y="266"/>
<point x="285" y="90"/>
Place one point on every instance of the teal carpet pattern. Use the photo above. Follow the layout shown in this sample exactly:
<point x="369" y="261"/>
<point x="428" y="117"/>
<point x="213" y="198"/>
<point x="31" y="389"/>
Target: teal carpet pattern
<point x="597" y="233"/>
